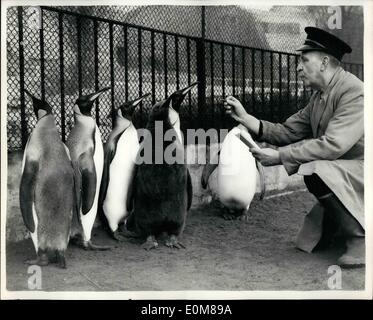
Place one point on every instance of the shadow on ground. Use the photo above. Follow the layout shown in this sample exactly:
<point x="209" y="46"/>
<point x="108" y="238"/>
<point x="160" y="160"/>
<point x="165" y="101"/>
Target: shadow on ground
<point x="220" y="255"/>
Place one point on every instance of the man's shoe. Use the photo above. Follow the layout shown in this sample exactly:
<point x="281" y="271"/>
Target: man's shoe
<point x="354" y="257"/>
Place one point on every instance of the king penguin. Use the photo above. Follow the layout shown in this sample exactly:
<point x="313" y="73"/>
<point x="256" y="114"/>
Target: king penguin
<point x="120" y="154"/>
<point x="47" y="188"/>
<point x="87" y="155"/>
<point x="236" y="175"/>
<point x="176" y="100"/>
<point x="141" y="115"/>
<point x="162" y="192"/>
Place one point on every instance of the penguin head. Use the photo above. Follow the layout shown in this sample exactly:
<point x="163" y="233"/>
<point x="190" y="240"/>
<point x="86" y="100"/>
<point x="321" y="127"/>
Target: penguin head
<point x="85" y="103"/>
<point x="41" y="107"/>
<point x="160" y="111"/>
<point x="177" y="99"/>
<point x="178" y="96"/>
<point x="127" y="109"/>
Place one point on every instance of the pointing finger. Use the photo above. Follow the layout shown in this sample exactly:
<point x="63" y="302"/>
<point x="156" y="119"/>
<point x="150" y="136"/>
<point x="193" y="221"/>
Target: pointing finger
<point x="254" y="150"/>
<point x="230" y="100"/>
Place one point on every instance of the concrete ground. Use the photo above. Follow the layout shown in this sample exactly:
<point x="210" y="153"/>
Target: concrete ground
<point x="220" y="255"/>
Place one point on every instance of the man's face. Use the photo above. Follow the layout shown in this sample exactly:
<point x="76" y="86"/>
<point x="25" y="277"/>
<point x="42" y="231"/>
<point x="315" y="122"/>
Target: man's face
<point x="309" y="69"/>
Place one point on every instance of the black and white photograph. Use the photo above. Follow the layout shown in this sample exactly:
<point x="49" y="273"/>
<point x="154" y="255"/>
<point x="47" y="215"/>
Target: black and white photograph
<point x="186" y="150"/>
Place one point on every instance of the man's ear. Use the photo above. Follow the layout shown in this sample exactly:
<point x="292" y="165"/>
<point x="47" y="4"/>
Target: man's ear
<point x="324" y="63"/>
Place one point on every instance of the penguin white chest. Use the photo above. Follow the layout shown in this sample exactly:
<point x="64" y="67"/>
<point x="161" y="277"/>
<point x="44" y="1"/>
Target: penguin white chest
<point x="120" y="177"/>
<point x="98" y="158"/>
<point x="237" y="174"/>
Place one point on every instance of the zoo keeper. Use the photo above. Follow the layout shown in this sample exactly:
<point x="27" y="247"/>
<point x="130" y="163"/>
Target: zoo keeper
<point x="330" y="155"/>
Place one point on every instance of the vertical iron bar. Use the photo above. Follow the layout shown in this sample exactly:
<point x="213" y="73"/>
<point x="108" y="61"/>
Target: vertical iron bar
<point x="189" y="77"/>
<point x="165" y="65"/>
<point x="24" y="134"/>
<point x="243" y="76"/>
<point x="79" y="53"/>
<point x="253" y="80"/>
<point x="262" y="109"/>
<point x="95" y="51"/>
<point x="177" y="62"/>
<point x="203" y="22"/>
<point x="125" y="30"/>
<point x="62" y="78"/>
<point x="222" y="118"/>
<point x="233" y="71"/>
<point x="152" y="65"/>
<point x="42" y="60"/>
<point x="201" y="76"/>
<point x="139" y="53"/>
<point x="112" y="72"/>
<point x="288" y="80"/>
<point x="223" y="71"/>
<point x="271" y="93"/>
<point x="212" y="81"/>
<point x="201" y="70"/>
<point x="280" y="87"/>
<point x="296" y="81"/>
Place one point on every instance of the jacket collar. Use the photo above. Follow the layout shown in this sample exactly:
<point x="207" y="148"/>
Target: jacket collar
<point x="337" y="75"/>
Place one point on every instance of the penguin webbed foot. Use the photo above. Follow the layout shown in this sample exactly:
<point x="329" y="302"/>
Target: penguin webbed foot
<point x="41" y="260"/>
<point x="60" y="257"/>
<point x="173" y="242"/>
<point x="76" y="241"/>
<point x="229" y="214"/>
<point x="150" y="243"/>
<point x="232" y="214"/>
<point x="123" y="235"/>
<point x="88" y="245"/>
<point x="245" y="216"/>
<point x="117" y="235"/>
<point x="124" y="231"/>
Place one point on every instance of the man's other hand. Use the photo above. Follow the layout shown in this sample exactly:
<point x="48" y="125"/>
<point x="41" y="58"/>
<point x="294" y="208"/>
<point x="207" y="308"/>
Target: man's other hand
<point x="266" y="156"/>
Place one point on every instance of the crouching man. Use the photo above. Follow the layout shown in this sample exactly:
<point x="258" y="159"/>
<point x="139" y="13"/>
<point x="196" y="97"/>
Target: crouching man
<point x="331" y="157"/>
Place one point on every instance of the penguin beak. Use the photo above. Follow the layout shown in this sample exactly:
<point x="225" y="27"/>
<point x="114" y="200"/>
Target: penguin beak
<point x="38" y="104"/>
<point x="178" y="96"/>
<point x="163" y="103"/>
<point x="92" y="97"/>
<point x="187" y="89"/>
<point x="28" y="93"/>
<point x="129" y="107"/>
<point x="137" y="101"/>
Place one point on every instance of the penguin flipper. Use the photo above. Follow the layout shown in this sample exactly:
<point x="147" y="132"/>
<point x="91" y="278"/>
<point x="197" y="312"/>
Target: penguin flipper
<point x="108" y="157"/>
<point x="88" y="181"/>
<point x="189" y="190"/>
<point x="77" y="195"/>
<point x="131" y="191"/>
<point x="27" y="192"/>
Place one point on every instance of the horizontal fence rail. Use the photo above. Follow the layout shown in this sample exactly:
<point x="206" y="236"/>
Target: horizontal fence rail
<point x="71" y="54"/>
